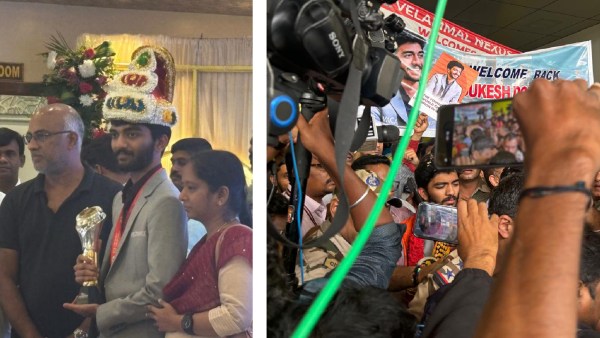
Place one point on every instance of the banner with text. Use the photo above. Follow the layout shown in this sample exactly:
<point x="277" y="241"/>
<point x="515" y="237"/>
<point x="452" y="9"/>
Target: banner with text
<point x="451" y="79"/>
<point x="419" y="20"/>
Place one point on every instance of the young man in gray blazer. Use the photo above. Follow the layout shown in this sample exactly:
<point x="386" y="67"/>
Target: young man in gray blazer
<point x="149" y="239"/>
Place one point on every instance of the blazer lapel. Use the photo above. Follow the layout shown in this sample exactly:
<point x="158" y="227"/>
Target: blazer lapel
<point x="145" y="194"/>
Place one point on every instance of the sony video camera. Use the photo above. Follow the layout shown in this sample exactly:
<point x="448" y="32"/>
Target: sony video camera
<point x="315" y="40"/>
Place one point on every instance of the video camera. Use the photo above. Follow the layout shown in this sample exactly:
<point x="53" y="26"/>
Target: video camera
<point x="318" y="50"/>
<point x="316" y="40"/>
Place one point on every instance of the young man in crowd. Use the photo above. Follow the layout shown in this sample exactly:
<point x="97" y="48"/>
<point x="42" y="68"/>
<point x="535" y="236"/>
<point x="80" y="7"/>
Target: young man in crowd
<point x="472" y="185"/>
<point x="148" y="241"/>
<point x="181" y="152"/>
<point x="98" y="154"/>
<point x="12" y="158"/>
<point x="455" y="283"/>
<point x="434" y="186"/>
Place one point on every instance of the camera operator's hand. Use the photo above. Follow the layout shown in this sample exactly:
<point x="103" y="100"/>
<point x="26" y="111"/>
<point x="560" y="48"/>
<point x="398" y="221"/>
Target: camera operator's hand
<point x="477" y="236"/>
<point x="317" y="138"/>
<point x="316" y="135"/>
<point x="420" y="126"/>
<point x="560" y="122"/>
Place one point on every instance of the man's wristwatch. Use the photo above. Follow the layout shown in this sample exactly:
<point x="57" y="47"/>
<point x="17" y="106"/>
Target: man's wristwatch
<point x="187" y="323"/>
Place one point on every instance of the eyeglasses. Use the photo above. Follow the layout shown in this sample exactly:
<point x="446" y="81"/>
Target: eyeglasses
<point x="42" y="136"/>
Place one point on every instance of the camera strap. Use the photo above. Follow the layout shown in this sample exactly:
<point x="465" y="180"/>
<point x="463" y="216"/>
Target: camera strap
<point x="360" y="135"/>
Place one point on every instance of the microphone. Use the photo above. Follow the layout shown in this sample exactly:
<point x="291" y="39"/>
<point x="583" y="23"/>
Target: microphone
<point x="387" y="134"/>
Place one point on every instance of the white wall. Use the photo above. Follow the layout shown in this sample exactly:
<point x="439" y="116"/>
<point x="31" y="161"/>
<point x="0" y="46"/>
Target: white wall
<point x="26" y="27"/>
<point x="591" y="33"/>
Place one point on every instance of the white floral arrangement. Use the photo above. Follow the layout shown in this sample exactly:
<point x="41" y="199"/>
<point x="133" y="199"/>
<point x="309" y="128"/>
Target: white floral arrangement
<point x="77" y="78"/>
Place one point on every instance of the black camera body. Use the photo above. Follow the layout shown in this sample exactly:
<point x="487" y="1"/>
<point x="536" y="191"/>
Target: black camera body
<point x="316" y="39"/>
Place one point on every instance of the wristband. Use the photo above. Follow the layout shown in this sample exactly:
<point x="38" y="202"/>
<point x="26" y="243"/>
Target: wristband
<point x="542" y="191"/>
<point x="415" y="275"/>
<point x="360" y="199"/>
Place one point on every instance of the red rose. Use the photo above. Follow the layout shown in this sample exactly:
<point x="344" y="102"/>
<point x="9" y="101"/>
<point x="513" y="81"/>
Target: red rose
<point x="101" y="80"/>
<point x="52" y="99"/>
<point x="98" y="132"/>
<point x="89" y="53"/>
<point x="85" y="88"/>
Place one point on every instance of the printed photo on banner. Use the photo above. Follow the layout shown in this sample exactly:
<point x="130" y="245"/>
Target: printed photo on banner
<point x="410" y="53"/>
<point x="502" y="76"/>
<point x="448" y="83"/>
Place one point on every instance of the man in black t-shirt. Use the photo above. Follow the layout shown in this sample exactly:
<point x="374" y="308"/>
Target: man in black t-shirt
<point x="38" y="240"/>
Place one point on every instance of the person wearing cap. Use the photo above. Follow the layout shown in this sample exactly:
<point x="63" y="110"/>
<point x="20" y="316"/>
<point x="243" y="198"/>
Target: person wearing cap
<point x="148" y="241"/>
<point x="181" y="153"/>
<point x="38" y="240"/>
<point x="380" y="165"/>
<point x="319" y="261"/>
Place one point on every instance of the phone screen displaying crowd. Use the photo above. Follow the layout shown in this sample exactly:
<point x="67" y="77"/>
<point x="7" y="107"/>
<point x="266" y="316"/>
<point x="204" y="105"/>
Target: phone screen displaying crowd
<point x="478" y="134"/>
<point x="437" y="222"/>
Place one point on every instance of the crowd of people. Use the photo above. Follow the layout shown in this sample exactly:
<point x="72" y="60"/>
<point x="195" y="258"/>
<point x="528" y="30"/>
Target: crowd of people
<point x="478" y="137"/>
<point x="174" y="255"/>
<point x="506" y="277"/>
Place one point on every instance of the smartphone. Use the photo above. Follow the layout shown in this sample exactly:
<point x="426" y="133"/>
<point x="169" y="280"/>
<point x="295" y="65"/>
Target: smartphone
<point x="436" y="222"/>
<point x="478" y="135"/>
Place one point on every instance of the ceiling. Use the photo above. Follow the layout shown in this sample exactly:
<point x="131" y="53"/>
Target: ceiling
<point x="521" y="24"/>
<point x="229" y="7"/>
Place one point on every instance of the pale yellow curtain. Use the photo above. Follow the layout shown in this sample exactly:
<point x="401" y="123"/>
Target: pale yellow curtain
<point x="213" y="89"/>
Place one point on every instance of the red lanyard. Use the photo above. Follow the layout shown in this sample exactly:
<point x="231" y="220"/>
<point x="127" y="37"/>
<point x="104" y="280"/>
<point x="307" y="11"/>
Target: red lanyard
<point x="119" y="225"/>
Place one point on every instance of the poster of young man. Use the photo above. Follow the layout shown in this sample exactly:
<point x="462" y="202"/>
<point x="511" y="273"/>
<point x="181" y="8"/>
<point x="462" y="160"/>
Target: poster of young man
<point x="448" y="82"/>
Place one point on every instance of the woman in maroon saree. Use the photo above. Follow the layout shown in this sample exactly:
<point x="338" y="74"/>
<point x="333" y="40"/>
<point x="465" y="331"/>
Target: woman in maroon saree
<point x="211" y="294"/>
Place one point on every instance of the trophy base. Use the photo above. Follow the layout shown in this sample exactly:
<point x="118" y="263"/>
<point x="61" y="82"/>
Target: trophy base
<point x="89" y="295"/>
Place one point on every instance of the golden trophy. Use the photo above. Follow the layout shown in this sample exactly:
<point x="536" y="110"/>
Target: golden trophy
<point x="89" y="222"/>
